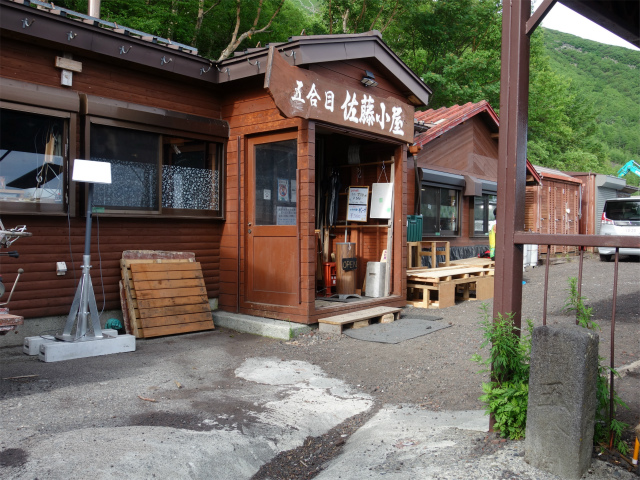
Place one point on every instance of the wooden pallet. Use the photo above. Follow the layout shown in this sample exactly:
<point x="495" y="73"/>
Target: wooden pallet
<point x="443" y="294"/>
<point x="164" y="295"/>
<point x="436" y="275"/>
<point x="438" y="287"/>
<point x="474" y="262"/>
<point x="358" y="319"/>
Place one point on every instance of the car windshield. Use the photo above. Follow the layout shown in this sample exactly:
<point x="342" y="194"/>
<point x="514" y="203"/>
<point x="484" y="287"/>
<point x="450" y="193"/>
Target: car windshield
<point x="629" y="210"/>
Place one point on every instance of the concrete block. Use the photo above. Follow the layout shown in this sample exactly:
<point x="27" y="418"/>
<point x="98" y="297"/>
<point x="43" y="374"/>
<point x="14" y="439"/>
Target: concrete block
<point x="31" y="345"/>
<point x="562" y="400"/>
<point x="388" y="318"/>
<point x="266" y="327"/>
<point x="58" y="351"/>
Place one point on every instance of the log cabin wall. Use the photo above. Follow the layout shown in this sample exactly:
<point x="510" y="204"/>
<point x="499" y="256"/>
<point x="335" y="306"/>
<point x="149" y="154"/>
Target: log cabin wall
<point x="467" y="149"/>
<point x="251" y="112"/>
<point x="55" y="238"/>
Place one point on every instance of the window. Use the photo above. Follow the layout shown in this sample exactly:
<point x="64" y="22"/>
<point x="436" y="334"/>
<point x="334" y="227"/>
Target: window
<point x="275" y="166"/>
<point x="440" y="211"/>
<point x="483" y="217"/>
<point x="157" y="172"/>
<point x="32" y="159"/>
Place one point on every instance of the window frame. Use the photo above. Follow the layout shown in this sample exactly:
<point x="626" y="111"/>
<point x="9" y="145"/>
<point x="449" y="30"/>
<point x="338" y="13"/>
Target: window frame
<point x="439" y="188"/>
<point x="472" y="215"/>
<point x="25" y="97"/>
<point x="112" y="113"/>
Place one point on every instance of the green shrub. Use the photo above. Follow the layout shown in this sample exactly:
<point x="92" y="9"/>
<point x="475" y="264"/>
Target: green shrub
<point x="507" y="395"/>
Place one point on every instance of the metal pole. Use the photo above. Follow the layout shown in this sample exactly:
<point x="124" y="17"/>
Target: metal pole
<point x="612" y="340"/>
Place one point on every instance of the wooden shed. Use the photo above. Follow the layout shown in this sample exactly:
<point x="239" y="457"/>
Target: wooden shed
<point x="233" y="162"/>
<point x="596" y="189"/>
<point x="554" y="207"/>
<point x="452" y="178"/>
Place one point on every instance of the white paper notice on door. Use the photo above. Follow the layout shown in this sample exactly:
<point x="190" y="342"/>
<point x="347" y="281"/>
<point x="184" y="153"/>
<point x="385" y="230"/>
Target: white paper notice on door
<point x="381" y="200"/>
<point x="286" y="216"/>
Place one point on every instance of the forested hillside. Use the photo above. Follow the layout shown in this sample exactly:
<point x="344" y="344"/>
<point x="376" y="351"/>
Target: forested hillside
<point x="609" y="79"/>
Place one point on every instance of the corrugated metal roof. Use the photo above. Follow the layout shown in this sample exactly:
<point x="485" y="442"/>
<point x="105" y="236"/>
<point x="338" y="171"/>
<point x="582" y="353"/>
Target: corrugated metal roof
<point x="546" y="172"/>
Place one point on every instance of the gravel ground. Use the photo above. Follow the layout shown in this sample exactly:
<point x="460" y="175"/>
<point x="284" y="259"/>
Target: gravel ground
<point x="431" y="373"/>
<point x="434" y="372"/>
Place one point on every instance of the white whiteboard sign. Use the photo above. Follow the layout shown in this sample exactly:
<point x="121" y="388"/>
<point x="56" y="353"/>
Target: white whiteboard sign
<point x="381" y="198"/>
<point x="358" y="195"/>
<point x="357" y="213"/>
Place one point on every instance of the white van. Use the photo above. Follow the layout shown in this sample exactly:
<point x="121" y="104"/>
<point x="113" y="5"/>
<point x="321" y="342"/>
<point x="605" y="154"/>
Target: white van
<point x="621" y="216"/>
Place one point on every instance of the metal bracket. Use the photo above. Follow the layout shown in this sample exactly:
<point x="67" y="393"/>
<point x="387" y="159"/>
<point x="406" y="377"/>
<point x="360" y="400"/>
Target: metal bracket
<point x="202" y="70"/>
<point x="71" y="35"/>
<point x="292" y="54"/>
<point x="25" y="22"/>
<point x="124" y="51"/>
<point x="254" y="64"/>
<point x="164" y="60"/>
<point x="227" y="71"/>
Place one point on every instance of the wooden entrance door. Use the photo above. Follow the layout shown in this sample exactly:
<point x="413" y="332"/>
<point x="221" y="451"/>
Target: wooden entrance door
<point x="271" y="269"/>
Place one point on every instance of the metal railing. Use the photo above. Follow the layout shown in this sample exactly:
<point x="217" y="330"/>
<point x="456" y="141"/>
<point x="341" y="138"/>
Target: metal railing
<point x="582" y="242"/>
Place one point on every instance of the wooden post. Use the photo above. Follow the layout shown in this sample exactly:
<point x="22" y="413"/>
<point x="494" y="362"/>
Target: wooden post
<point x="345" y="280"/>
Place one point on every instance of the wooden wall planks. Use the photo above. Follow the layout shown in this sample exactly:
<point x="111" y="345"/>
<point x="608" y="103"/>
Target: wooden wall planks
<point x="52" y="243"/>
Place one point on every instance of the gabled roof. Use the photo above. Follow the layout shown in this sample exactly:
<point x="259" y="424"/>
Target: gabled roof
<point x="315" y="49"/>
<point x="437" y="122"/>
<point x="444" y="119"/>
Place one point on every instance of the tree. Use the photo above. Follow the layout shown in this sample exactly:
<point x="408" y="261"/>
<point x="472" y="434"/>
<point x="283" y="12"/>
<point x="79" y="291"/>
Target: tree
<point x="454" y="45"/>
<point x="237" y="40"/>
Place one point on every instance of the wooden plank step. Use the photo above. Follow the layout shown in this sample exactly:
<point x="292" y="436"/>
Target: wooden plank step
<point x="359" y="319"/>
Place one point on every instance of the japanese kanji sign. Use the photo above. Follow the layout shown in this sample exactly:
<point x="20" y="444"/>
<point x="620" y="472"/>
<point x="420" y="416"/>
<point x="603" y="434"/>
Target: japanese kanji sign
<point x="301" y="93"/>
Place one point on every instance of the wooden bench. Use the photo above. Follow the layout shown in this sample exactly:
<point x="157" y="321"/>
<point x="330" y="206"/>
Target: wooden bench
<point x="358" y="319"/>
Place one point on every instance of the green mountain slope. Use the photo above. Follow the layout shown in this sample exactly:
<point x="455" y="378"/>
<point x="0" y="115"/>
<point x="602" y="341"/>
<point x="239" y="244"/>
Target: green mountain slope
<point x="609" y="78"/>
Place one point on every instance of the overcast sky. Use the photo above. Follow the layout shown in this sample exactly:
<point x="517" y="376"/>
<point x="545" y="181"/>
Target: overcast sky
<point x="566" y="20"/>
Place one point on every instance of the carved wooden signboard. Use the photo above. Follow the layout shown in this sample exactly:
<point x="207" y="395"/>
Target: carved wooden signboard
<point x="301" y="93"/>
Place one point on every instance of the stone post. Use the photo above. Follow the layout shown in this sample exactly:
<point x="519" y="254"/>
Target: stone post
<point x="562" y="400"/>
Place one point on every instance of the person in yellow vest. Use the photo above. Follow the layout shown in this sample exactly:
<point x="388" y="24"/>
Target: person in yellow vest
<point x="492" y="238"/>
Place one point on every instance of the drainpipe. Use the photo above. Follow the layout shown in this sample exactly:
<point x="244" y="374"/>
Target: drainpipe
<point x="94" y="8"/>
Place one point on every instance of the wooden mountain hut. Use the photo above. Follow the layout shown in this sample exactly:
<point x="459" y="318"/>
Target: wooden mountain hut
<point x="261" y="165"/>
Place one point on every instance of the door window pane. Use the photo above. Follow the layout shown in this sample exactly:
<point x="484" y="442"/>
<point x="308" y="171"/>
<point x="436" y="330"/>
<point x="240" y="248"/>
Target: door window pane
<point x="275" y="187"/>
<point x="31" y="157"/>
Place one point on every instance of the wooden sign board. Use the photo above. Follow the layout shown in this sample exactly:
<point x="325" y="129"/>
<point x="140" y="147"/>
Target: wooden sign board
<point x="300" y="93"/>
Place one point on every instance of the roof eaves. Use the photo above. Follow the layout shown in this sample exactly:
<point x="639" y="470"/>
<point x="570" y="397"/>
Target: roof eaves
<point x="76" y="34"/>
<point x="453" y="116"/>
<point x="305" y="50"/>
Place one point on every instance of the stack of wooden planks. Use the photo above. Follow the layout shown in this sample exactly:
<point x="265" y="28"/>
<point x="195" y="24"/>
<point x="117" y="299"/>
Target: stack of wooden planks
<point x="438" y="287"/>
<point x="163" y="293"/>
